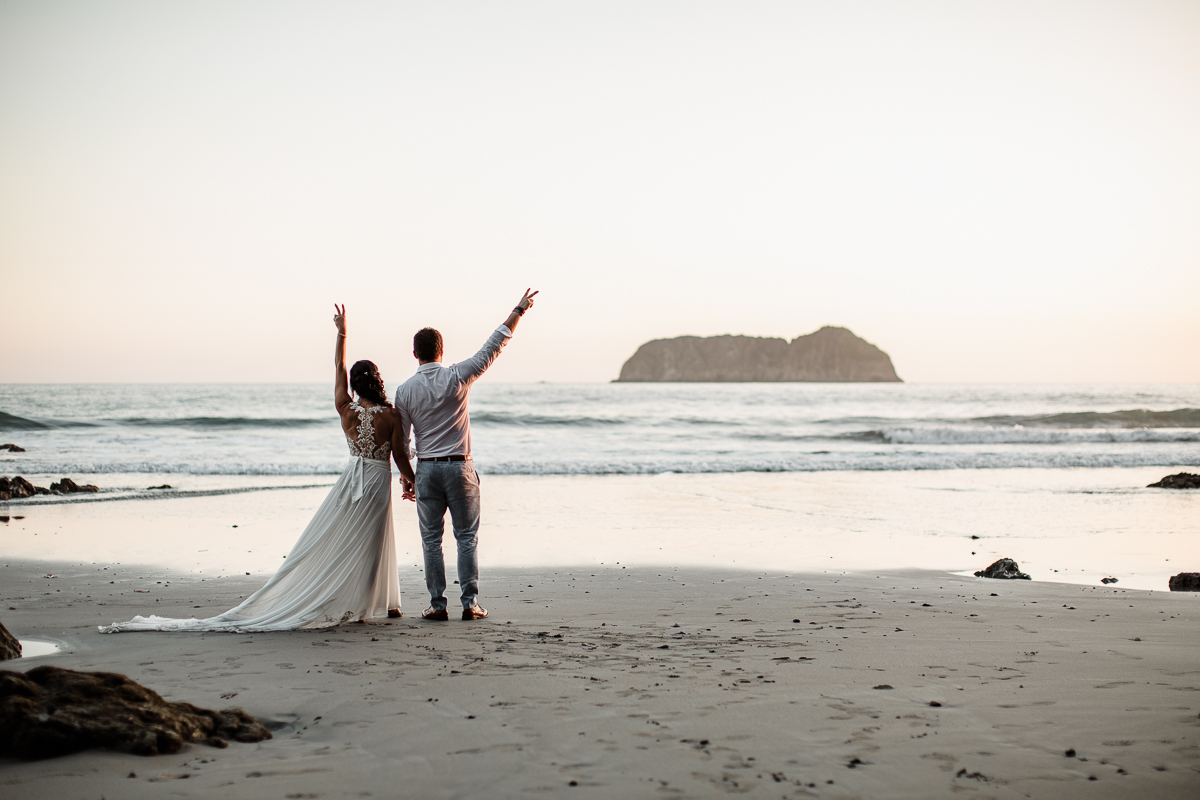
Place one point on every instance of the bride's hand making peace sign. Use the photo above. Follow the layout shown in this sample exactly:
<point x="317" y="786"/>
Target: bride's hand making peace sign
<point x="339" y="318"/>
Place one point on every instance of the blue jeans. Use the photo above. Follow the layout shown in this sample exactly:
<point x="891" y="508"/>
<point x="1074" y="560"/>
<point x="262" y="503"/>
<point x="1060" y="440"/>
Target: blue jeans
<point x="452" y="485"/>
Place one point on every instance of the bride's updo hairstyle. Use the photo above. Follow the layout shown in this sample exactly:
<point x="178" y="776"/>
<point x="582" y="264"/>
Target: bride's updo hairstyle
<point x="367" y="383"/>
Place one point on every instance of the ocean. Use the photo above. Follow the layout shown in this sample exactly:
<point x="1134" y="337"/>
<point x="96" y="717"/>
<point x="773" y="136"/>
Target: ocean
<point x="243" y="436"/>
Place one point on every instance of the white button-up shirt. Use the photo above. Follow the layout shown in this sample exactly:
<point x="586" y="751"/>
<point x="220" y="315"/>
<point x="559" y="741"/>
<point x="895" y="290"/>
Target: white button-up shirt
<point x="434" y="401"/>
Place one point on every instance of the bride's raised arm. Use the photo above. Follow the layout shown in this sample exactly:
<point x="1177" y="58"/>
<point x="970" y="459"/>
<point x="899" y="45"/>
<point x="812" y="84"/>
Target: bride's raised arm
<point x="341" y="390"/>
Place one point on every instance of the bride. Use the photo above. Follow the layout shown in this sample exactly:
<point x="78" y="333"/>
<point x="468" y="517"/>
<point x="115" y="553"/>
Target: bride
<point x="343" y="568"/>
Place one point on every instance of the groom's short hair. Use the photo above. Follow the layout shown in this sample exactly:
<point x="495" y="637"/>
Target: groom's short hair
<point x="427" y="344"/>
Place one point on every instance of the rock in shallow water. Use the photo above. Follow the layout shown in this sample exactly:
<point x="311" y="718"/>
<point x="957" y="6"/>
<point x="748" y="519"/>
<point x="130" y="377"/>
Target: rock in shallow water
<point x="1181" y="480"/>
<point x="1005" y="568"/>
<point x="1185" y="582"/>
<point x="19" y="488"/>
<point x="68" y="486"/>
<point x="9" y="646"/>
<point x="50" y="711"/>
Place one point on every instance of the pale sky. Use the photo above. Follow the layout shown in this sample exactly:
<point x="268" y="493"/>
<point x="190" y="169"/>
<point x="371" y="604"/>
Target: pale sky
<point x="991" y="192"/>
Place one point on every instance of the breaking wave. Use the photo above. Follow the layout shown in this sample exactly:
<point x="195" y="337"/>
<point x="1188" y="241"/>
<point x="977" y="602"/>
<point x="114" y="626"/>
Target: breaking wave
<point x="11" y="422"/>
<point x="506" y="418"/>
<point x="1132" y="418"/>
<point x="949" y="436"/>
<point x="815" y="461"/>
<point x="201" y="423"/>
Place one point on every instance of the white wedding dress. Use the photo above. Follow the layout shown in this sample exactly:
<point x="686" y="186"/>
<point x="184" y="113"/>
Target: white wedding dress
<point x="342" y="569"/>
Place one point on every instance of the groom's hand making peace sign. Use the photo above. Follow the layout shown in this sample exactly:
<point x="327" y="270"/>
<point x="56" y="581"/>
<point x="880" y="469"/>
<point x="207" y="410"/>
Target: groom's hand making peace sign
<point x="522" y="306"/>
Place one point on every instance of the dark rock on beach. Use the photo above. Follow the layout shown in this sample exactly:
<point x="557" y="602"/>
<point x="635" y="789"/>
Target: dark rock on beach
<point x="68" y="486"/>
<point x="50" y="711"/>
<point x="9" y="646"/>
<point x="1108" y="580"/>
<point x="18" y="488"/>
<point x="1005" y="568"/>
<point x="164" y="486"/>
<point x="1182" y="480"/>
<point x="12" y="448"/>
<point x="1185" y="582"/>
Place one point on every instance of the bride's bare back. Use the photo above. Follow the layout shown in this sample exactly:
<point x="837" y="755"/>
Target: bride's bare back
<point x="383" y="419"/>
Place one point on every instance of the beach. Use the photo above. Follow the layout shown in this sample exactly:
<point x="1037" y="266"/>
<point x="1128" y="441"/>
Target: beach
<point x="734" y="662"/>
<point x="812" y="385"/>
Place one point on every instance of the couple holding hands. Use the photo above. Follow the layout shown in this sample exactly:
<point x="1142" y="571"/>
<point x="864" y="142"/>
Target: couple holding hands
<point x="343" y="568"/>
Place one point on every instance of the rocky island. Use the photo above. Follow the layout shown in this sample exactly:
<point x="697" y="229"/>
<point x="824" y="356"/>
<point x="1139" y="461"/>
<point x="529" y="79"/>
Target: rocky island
<point x="830" y="354"/>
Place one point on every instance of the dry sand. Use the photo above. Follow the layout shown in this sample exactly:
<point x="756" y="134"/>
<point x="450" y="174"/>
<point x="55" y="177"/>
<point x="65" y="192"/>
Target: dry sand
<point x="643" y="682"/>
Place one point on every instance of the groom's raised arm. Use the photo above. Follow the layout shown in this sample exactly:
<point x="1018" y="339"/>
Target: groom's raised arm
<point x="477" y="364"/>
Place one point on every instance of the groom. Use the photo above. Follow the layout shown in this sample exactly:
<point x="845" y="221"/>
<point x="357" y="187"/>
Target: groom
<point x="434" y="403"/>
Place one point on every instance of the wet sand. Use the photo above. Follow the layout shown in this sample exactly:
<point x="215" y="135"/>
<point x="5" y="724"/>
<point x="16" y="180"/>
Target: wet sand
<point x="1069" y="525"/>
<point x="649" y="682"/>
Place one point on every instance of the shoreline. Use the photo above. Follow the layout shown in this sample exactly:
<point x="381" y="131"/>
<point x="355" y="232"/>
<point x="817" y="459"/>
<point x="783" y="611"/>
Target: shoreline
<point x="651" y="682"/>
<point x="303" y="480"/>
<point x="1072" y="526"/>
<point x="146" y="494"/>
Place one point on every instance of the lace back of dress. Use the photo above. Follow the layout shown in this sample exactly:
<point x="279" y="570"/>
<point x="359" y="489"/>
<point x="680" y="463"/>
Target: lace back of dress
<point x="365" y="446"/>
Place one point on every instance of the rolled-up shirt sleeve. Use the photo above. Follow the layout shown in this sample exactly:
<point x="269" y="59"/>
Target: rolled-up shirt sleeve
<point x="405" y="426"/>
<point x="477" y="364"/>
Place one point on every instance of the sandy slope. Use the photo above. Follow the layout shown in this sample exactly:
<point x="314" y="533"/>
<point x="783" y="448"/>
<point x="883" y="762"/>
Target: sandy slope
<point x="653" y="683"/>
